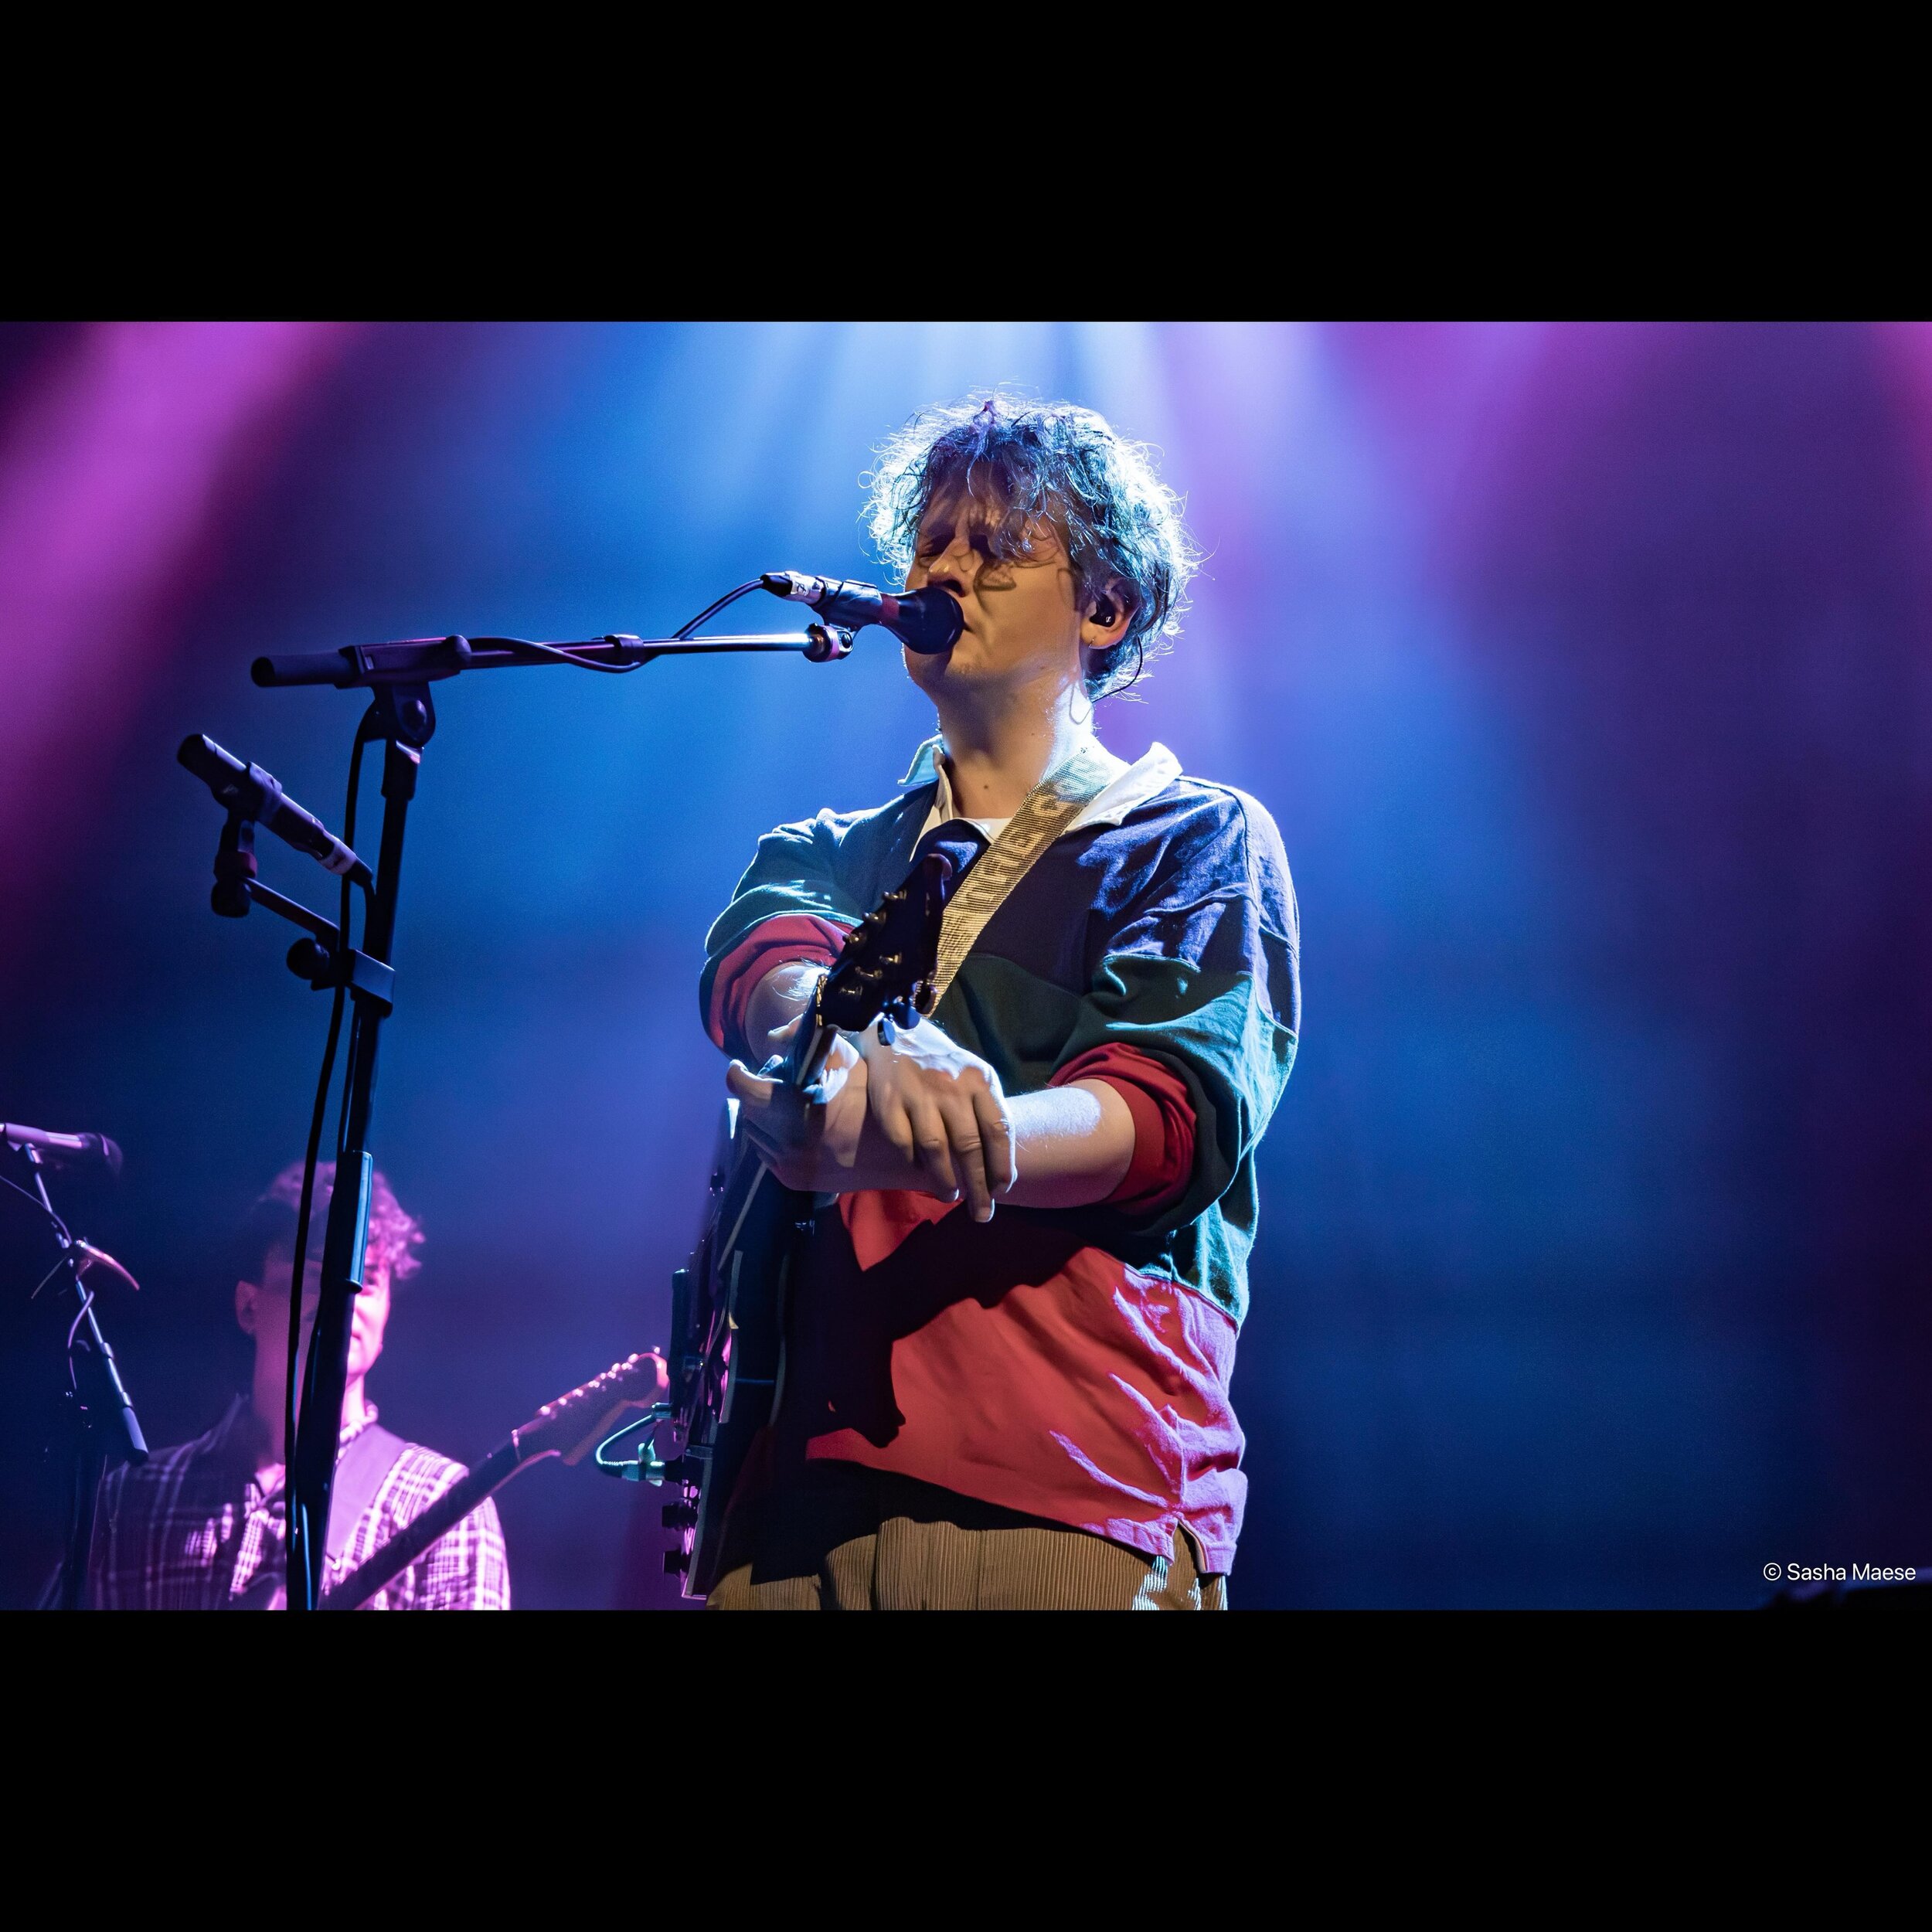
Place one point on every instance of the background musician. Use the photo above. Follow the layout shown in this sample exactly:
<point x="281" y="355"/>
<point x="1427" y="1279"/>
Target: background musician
<point x="204" y="1526"/>
<point x="1011" y="1346"/>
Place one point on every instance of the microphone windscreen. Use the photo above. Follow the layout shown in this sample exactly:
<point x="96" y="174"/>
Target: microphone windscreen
<point x="927" y="621"/>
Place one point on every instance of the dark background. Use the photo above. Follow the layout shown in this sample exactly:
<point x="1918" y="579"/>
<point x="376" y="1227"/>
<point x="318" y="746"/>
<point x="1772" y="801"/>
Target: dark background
<point x="1585" y="669"/>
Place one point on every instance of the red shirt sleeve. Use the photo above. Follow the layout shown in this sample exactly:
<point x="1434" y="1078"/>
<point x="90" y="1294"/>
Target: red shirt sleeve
<point x="1157" y="1096"/>
<point x="784" y="941"/>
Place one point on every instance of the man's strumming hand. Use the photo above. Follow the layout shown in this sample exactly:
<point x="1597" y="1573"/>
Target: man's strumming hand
<point x="922" y="1114"/>
<point x="943" y="1110"/>
<point x="925" y="1115"/>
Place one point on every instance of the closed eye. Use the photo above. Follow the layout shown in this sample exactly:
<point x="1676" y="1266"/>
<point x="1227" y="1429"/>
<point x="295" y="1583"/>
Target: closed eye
<point x="937" y="542"/>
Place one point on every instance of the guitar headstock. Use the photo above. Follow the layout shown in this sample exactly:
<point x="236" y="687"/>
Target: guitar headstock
<point x="574" y="1423"/>
<point x="890" y="956"/>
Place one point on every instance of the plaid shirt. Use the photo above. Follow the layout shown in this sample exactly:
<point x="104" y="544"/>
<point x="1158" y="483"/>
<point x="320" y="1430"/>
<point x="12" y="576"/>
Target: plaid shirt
<point x="193" y="1528"/>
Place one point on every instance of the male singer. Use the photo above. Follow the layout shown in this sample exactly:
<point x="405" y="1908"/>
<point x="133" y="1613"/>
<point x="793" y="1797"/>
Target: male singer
<point x="1008" y="1378"/>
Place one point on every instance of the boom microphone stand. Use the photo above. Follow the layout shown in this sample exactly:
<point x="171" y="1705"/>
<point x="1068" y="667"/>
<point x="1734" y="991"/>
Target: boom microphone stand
<point x="401" y="715"/>
<point x="404" y="722"/>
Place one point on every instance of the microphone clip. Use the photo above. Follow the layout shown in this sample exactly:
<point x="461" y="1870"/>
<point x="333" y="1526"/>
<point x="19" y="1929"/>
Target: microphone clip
<point x="320" y="957"/>
<point x="235" y="866"/>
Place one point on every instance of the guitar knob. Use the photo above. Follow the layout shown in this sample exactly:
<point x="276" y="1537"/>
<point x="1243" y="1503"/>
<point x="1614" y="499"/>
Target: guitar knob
<point x="679" y="1515"/>
<point x="676" y="1562"/>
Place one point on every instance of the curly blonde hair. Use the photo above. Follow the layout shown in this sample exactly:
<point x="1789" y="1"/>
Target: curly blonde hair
<point x="1028" y="463"/>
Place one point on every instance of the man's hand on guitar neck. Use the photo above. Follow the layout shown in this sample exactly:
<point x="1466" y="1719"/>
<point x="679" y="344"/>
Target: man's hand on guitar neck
<point x="925" y="1114"/>
<point x="935" y="1123"/>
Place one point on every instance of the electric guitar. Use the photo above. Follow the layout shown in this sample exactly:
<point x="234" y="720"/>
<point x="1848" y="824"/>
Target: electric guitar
<point x="727" y="1354"/>
<point x="569" y="1427"/>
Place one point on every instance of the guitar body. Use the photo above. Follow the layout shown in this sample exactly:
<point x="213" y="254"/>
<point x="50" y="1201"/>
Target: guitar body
<point x="729" y="1306"/>
<point x="739" y="1290"/>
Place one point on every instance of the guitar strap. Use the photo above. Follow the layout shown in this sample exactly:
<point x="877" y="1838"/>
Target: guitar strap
<point x="360" y="1471"/>
<point x="1047" y="811"/>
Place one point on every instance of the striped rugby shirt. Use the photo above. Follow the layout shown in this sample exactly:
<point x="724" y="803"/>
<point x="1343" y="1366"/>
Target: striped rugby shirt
<point x="1070" y="1364"/>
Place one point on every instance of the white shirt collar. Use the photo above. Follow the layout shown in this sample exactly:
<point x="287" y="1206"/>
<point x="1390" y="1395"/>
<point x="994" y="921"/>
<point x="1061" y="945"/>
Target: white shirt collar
<point x="1131" y="787"/>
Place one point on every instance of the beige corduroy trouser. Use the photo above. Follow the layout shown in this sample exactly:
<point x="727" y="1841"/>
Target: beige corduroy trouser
<point x="905" y="1564"/>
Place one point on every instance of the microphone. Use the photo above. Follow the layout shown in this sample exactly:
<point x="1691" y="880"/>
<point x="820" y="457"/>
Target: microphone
<point x="64" y="1150"/>
<point x="255" y="793"/>
<point x="928" y="621"/>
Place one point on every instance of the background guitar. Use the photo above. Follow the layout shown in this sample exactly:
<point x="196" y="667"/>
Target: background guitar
<point x="570" y="1428"/>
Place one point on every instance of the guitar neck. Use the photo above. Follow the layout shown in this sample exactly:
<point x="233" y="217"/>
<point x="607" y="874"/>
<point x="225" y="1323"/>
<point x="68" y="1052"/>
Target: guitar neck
<point x="436" y="1521"/>
<point x="806" y="1059"/>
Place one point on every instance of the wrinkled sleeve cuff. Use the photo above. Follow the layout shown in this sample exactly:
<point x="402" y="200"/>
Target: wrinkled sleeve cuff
<point x="794" y="939"/>
<point x="1164" y="1128"/>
